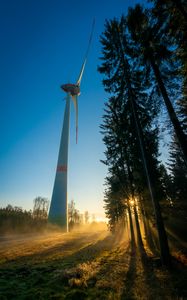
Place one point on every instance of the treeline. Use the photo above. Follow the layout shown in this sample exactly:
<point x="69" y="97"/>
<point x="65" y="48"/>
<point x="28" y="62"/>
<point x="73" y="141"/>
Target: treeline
<point x="15" y="219"/>
<point x="144" y="63"/>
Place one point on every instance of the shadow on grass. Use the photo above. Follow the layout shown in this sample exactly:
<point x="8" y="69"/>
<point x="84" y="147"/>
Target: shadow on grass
<point x="164" y="283"/>
<point x="147" y="279"/>
<point x="109" y="278"/>
<point x="32" y="276"/>
<point x="131" y="273"/>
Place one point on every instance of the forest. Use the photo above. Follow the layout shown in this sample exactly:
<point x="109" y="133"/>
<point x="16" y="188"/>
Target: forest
<point x="144" y="68"/>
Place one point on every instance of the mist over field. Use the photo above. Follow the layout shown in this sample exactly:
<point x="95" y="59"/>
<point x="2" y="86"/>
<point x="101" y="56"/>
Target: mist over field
<point x="86" y="263"/>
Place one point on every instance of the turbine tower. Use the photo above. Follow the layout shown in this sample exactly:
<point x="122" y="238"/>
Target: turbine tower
<point x="58" y="213"/>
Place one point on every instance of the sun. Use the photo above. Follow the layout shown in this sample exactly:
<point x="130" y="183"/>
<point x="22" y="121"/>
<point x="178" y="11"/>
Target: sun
<point x="101" y="219"/>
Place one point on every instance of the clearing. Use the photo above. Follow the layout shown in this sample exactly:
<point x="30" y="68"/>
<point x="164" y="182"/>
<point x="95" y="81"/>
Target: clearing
<point x="89" y="264"/>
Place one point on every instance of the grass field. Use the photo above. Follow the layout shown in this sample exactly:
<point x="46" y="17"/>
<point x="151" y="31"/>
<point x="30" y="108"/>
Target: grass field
<point x="87" y="264"/>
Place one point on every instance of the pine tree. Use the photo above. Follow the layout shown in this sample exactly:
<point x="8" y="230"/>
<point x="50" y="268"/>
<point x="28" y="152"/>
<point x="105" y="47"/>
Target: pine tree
<point x="172" y="17"/>
<point x="178" y="171"/>
<point x="132" y="145"/>
<point x="152" y="49"/>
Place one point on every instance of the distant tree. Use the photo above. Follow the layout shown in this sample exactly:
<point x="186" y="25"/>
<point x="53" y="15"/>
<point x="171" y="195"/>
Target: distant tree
<point x="93" y="218"/>
<point x="15" y="219"/>
<point x="82" y="218"/>
<point x="86" y="217"/>
<point x="71" y="213"/>
<point x="40" y="208"/>
<point x="74" y="216"/>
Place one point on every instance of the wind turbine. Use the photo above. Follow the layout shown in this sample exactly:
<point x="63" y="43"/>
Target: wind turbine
<point x="58" y="213"/>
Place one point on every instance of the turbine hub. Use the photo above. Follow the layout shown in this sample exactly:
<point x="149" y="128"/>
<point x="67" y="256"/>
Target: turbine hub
<point x="73" y="89"/>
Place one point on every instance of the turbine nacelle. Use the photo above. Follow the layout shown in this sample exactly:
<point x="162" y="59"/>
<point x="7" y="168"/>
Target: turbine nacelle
<point x="72" y="89"/>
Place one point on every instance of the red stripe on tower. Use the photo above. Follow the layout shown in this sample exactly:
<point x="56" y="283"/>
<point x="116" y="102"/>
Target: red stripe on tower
<point x="61" y="168"/>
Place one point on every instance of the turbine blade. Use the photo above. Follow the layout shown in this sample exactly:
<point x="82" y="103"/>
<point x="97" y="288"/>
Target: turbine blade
<point x="75" y="102"/>
<point x="86" y="55"/>
<point x="81" y="72"/>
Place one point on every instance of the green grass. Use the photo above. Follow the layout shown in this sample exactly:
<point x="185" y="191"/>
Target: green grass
<point x="87" y="266"/>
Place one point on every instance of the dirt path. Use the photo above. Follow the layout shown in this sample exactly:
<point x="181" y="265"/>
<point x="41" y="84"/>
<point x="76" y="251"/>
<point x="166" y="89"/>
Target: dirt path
<point x="81" y="265"/>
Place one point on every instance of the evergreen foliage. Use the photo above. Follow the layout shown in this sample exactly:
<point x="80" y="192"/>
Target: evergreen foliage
<point x="140" y="65"/>
<point x="15" y="219"/>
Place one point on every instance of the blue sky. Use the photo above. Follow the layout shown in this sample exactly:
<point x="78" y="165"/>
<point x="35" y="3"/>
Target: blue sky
<point x="43" y="43"/>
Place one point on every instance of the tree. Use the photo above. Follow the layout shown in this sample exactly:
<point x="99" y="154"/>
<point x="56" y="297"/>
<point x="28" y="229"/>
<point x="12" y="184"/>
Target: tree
<point x="74" y="216"/>
<point x="40" y="209"/>
<point x="173" y="15"/>
<point x="93" y="218"/>
<point x="152" y="49"/>
<point x="86" y="217"/>
<point x="129" y="119"/>
<point x="15" y="219"/>
<point x="178" y="171"/>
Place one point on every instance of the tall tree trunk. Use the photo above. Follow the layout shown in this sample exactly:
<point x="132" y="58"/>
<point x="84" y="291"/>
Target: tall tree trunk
<point x="148" y="233"/>
<point x="182" y="139"/>
<point x="131" y="224"/>
<point x="163" y="241"/>
<point x="139" y="236"/>
<point x="131" y="179"/>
